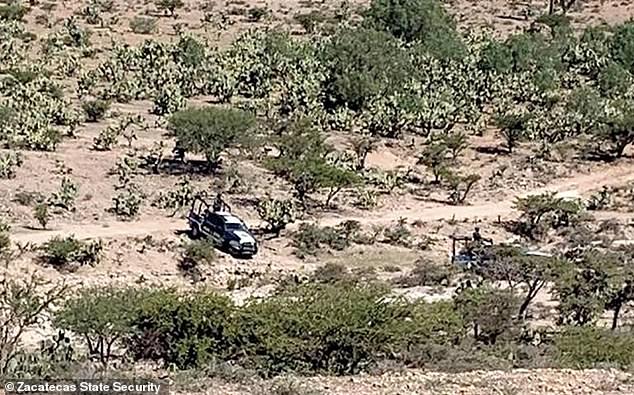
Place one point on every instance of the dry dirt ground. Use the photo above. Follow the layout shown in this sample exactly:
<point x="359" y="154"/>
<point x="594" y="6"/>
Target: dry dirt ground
<point x="146" y="250"/>
<point x="413" y="382"/>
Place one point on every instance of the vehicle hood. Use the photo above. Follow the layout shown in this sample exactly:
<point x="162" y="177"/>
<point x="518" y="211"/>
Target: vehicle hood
<point x="243" y="237"/>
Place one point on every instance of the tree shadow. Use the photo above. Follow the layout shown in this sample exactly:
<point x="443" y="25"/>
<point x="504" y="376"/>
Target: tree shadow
<point x="491" y="150"/>
<point x="177" y="167"/>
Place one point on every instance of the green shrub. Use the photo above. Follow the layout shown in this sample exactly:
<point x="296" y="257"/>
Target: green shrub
<point x="331" y="273"/>
<point x="185" y="330"/>
<point x="585" y="348"/>
<point x="340" y="328"/>
<point x="198" y="252"/>
<point x="426" y="273"/>
<point x="362" y="64"/>
<point x="95" y="110"/>
<point x="276" y="213"/>
<point x="8" y="163"/>
<point x="127" y="202"/>
<point x="41" y="214"/>
<point x="66" y="196"/>
<point x="489" y="311"/>
<point x="102" y="316"/>
<point x="310" y="20"/>
<point x="14" y="11"/>
<point x="425" y="21"/>
<point x="210" y="130"/>
<point x="143" y="25"/>
<point x="310" y="239"/>
<point x="62" y="252"/>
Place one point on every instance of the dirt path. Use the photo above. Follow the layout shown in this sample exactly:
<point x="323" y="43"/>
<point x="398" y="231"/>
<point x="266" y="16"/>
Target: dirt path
<point x="616" y="175"/>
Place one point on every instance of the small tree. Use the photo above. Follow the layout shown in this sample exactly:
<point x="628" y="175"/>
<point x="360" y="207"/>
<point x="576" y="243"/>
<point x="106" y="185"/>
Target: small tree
<point x="102" y="316"/>
<point x="95" y="110"/>
<point x="41" y="214"/>
<point x="335" y="179"/>
<point x="518" y="270"/>
<point x="425" y="21"/>
<point x="23" y="305"/>
<point x="581" y="292"/>
<point x="434" y="156"/>
<point x="539" y="212"/>
<point x="512" y="128"/>
<point x="456" y="142"/>
<point x="210" y="130"/>
<point x="459" y="185"/>
<point x="277" y="214"/>
<point x="488" y="310"/>
<point x="618" y="130"/>
<point x="8" y="163"/>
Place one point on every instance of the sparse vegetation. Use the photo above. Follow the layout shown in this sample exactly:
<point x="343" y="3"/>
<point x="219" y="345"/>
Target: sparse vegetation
<point x="62" y="252"/>
<point x="143" y="25"/>
<point x="381" y="110"/>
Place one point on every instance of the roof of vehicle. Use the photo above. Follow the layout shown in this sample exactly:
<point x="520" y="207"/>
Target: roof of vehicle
<point x="229" y="218"/>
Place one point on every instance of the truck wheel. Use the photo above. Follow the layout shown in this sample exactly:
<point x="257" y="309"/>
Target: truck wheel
<point x="194" y="232"/>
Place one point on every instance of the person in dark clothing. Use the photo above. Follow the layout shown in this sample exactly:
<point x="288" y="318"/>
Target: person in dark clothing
<point x="477" y="237"/>
<point x="219" y="203"/>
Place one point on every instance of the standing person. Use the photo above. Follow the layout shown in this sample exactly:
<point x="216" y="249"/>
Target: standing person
<point x="219" y="203"/>
<point x="477" y="237"/>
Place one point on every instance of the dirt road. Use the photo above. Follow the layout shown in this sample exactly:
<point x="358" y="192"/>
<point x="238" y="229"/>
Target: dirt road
<point x="615" y="175"/>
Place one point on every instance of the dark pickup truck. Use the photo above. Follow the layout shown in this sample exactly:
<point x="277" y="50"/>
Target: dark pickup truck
<point x="224" y="229"/>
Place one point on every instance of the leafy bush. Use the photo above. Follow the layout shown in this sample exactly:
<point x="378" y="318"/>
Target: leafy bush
<point x="102" y="316"/>
<point x="127" y="202"/>
<point x="8" y="163"/>
<point x="41" y="214"/>
<point x="459" y="185"/>
<point x="488" y="310"/>
<point x="168" y="100"/>
<point x="185" y="330"/>
<point x="23" y="305"/>
<point x="310" y="20"/>
<point x="362" y="64"/>
<point x="143" y="25"/>
<point x="95" y="110"/>
<point x="14" y="11"/>
<point x="198" y="252"/>
<point x="512" y="128"/>
<point x="65" y="197"/>
<point x="210" y="130"/>
<point x="586" y="348"/>
<point x="333" y="334"/>
<point x="426" y="273"/>
<point x="425" y="21"/>
<point x="308" y="170"/>
<point x="545" y="211"/>
<point x="61" y="252"/>
<point x="310" y="239"/>
<point x="340" y="328"/>
<point x="276" y="213"/>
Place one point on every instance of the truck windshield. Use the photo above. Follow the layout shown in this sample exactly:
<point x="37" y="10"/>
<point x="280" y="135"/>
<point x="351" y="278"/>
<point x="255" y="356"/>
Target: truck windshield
<point x="234" y="226"/>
